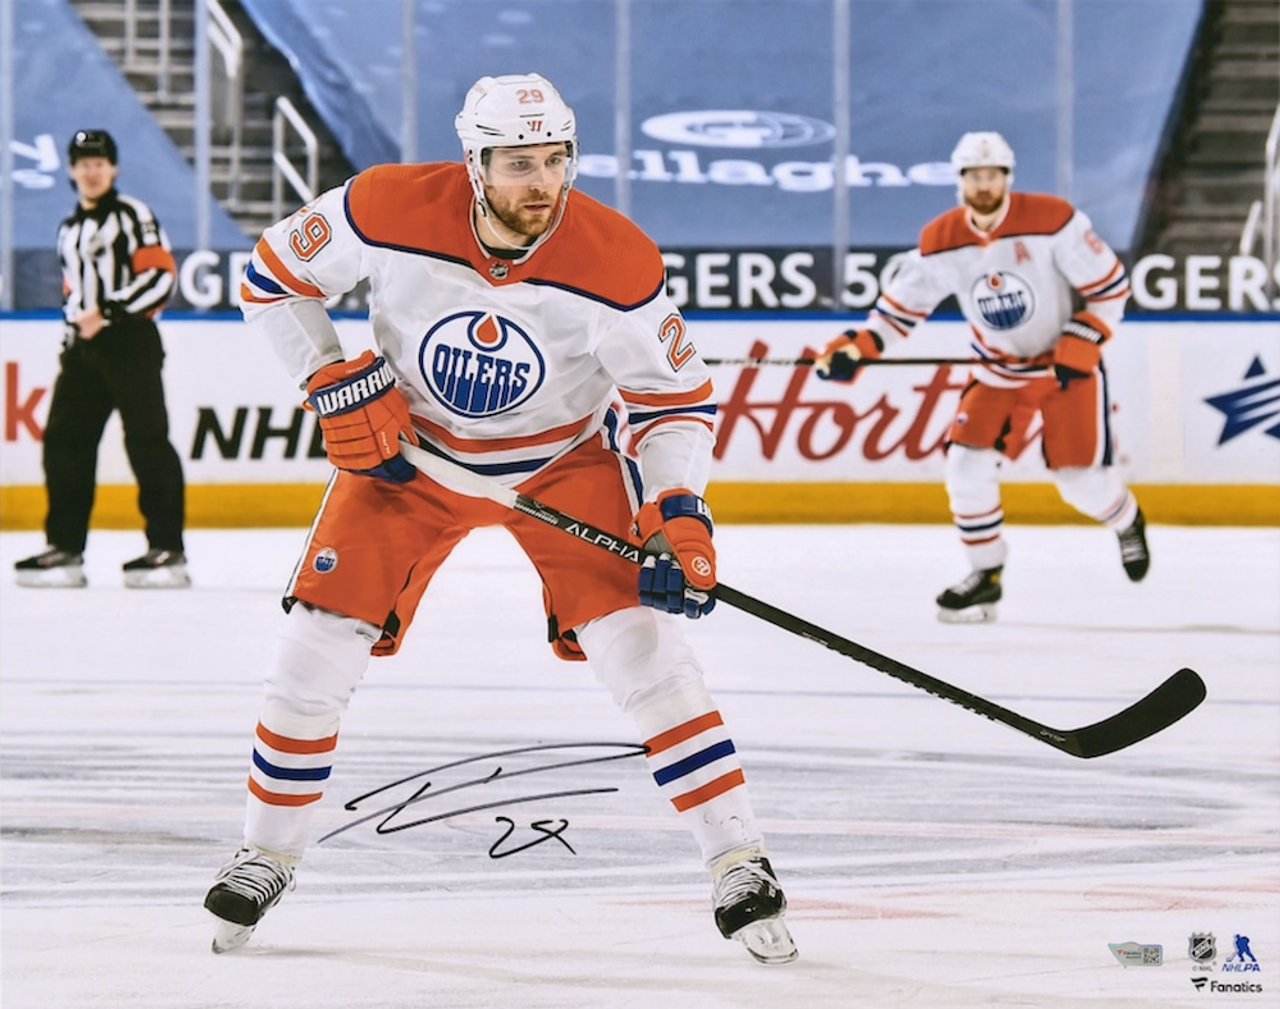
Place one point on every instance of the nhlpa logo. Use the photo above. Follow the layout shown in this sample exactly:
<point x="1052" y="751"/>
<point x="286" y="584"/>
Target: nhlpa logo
<point x="479" y="365"/>
<point x="1003" y="299"/>
<point x="1256" y="402"/>
<point x="1242" y="959"/>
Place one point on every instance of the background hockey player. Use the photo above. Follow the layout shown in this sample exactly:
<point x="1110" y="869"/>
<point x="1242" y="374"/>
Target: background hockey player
<point x="510" y="316"/>
<point x="1019" y="264"/>
<point x="117" y="274"/>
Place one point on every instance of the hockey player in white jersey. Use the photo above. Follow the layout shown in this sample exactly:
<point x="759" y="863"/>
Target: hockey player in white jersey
<point x="516" y="324"/>
<point x="1019" y="264"/>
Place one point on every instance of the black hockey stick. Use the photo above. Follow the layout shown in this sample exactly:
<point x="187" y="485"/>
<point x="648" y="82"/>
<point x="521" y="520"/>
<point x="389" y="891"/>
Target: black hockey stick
<point x="807" y="362"/>
<point x="1175" y="697"/>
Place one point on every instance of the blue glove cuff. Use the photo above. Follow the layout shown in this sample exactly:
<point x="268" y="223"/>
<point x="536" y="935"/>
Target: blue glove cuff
<point x="686" y="506"/>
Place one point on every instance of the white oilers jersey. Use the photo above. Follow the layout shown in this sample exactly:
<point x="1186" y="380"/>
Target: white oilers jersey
<point x="1017" y="285"/>
<point x="506" y="364"/>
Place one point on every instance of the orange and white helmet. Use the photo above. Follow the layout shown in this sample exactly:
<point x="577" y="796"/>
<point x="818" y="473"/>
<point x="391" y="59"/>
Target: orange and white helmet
<point x="515" y="110"/>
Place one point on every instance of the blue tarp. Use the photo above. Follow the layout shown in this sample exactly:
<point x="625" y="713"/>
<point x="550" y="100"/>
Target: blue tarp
<point x="63" y="82"/>
<point x="732" y="99"/>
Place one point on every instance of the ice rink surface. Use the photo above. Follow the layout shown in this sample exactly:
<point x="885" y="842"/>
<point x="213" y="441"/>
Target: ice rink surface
<point x="932" y="858"/>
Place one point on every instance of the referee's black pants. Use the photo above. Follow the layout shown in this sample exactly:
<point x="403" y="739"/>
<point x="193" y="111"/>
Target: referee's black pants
<point x="119" y="369"/>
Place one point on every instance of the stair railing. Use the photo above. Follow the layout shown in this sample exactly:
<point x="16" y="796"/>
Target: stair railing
<point x="228" y="93"/>
<point x="1263" y="221"/>
<point x="282" y="168"/>
<point x="1271" y="204"/>
<point x="132" y="61"/>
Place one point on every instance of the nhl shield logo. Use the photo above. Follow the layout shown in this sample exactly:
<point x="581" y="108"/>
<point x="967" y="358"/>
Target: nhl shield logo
<point x="1202" y="947"/>
<point x="499" y="270"/>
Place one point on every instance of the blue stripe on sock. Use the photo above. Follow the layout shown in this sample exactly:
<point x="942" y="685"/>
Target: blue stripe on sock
<point x="690" y="764"/>
<point x="290" y="773"/>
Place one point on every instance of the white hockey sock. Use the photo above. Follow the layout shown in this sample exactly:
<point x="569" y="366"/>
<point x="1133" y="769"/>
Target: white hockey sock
<point x="319" y="659"/>
<point x="292" y="761"/>
<point x="653" y="675"/>
<point x="1098" y="492"/>
<point x="973" y="487"/>
<point x="696" y="766"/>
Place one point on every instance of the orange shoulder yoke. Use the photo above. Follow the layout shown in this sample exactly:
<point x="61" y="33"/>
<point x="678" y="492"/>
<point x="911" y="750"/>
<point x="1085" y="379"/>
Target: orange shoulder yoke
<point x="946" y="232"/>
<point x="602" y="253"/>
<point x="425" y="208"/>
<point x="1034" y="214"/>
<point x="418" y="207"/>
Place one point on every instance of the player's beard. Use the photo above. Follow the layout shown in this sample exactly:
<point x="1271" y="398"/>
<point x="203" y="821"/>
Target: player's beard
<point x="985" y="203"/>
<point x="513" y="213"/>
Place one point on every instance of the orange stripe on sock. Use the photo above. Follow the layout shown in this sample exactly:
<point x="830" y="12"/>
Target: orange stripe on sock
<point x="279" y="799"/>
<point x="709" y="791"/>
<point x="285" y="744"/>
<point x="673" y="737"/>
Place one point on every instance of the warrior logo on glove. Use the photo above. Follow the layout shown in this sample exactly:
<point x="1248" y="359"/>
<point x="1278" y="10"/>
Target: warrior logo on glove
<point x="362" y="416"/>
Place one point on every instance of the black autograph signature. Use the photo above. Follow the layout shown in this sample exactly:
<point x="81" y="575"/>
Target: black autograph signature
<point x="390" y="820"/>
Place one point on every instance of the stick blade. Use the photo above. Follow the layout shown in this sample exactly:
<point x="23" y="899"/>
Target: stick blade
<point x="1175" y="698"/>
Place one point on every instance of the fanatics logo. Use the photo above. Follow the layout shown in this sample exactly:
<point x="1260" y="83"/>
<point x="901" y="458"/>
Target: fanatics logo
<point x="1134" y="954"/>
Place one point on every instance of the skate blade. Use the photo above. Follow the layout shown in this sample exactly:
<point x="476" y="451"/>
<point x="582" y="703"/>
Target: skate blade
<point x="175" y="577"/>
<point x="768" y="940"/>
<point x="53" y="578"/>
<point x="983" y="613"/>
<point x="228" y="936"/>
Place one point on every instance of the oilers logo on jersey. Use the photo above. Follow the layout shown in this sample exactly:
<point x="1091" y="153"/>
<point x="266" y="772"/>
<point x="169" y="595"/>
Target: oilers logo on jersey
<point x="478" y="364"/>
<point x="1003" y="299"/>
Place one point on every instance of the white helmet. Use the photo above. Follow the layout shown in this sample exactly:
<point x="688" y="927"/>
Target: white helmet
<point x="516" y="110"/>
<point x="982" y="150"/>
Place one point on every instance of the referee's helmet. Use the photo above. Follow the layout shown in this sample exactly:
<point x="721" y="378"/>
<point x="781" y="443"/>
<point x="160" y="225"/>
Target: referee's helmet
<point x="91" y="144"/>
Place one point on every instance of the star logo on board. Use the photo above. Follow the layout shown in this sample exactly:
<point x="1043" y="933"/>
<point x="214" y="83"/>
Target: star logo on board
<point x="1256" y="402"/>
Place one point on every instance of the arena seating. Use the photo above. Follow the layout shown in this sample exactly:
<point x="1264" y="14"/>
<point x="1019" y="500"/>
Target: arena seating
<point x="922" y="72"/>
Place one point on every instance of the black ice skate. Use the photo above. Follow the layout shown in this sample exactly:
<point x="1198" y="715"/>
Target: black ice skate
<point x="158" y="569"/>
<point x="972" y="601"/>
<point x="1134" y="554"/>
<point x="247" y="887"/>
<point x="749" y="905"/>
<point x="53" y="569"/>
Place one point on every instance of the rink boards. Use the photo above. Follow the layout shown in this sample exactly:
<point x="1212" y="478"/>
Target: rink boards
<point x="1195" y="411"/>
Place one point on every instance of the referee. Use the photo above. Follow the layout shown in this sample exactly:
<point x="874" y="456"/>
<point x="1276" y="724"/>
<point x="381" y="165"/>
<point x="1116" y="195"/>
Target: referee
<point x="117" y="273"/>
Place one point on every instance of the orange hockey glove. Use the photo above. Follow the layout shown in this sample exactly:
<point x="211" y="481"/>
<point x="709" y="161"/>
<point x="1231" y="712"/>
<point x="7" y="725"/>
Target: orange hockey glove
<point x="838" y="361"/>
<point x="1079" y="349"/>
<point x="680" y="571"/>
<point x="362" y="415"/>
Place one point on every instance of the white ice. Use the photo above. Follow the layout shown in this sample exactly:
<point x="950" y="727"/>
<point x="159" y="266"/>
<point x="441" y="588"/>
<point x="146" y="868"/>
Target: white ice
<point x="932" y="858"/>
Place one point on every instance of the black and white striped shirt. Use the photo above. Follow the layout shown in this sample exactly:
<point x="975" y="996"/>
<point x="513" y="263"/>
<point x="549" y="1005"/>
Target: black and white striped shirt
<point x="115" y="257"/>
